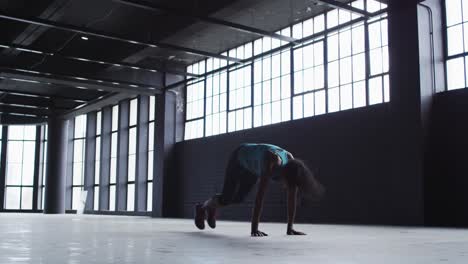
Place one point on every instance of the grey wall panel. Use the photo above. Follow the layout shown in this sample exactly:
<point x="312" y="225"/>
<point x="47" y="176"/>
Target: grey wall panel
<point x="142" y="154"/>
<point x="105" y="158"/>
<point x="122" y="156"/>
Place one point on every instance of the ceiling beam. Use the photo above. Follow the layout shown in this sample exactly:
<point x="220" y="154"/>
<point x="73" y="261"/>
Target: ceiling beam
<point x="18" y="99"/>
<point x="86" y="60"/>
<point x="15" y="119"/>
<point x="54" y="97"/>
<point x="190" y="14"/>
<point x="22" y="109"/>
<point x="99" y="103"/>
<point x="344" y="6"/>
<point x="81" y="82"/>
<point x="89" y="32"/>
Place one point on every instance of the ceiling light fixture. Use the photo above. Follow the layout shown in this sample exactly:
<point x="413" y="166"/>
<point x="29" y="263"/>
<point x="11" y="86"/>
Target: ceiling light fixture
<point x="84" y="38"/>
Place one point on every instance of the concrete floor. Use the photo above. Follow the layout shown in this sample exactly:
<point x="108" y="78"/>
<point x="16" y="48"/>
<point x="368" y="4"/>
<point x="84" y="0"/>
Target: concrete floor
<point x="35" y="238"/>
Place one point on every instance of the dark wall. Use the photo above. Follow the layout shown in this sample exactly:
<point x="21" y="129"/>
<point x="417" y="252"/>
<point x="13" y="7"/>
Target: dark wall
<point x="447" y="171"/>
<point x="353" y="154"/>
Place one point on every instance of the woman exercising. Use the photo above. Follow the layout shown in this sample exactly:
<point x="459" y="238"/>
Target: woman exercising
<point x="252" y="163"/>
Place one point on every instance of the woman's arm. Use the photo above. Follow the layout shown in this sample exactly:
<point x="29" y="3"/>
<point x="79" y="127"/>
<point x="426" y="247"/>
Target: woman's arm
<point x="292" y="199"/>
<point x="270" y="161"/>
<point x="262" y="186"/>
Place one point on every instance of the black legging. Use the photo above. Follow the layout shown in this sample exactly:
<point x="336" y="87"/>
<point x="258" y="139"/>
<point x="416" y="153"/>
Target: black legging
<point x="238" y="182"/>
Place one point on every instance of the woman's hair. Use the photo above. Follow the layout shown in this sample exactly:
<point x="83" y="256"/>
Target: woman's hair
<point x="297" y="174"/>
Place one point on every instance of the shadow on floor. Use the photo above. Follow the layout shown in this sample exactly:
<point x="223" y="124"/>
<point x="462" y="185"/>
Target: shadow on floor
<point x="209" y="235"/>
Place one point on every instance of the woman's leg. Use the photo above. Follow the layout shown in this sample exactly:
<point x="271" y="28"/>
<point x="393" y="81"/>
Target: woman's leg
<point x="231" y="184"/>
<point x="230" y="187"/>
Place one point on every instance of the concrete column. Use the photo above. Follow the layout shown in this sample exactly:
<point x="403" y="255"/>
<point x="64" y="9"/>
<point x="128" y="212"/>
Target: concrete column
<point x="168" y="130"/>
<point x="161" y="146"/>
<point x="57" y="164"/>
<point x="409" y="92"/>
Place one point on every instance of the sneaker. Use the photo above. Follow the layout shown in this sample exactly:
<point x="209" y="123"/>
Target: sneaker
<point x="200" y="216"/>
<point x="211" y="217"/>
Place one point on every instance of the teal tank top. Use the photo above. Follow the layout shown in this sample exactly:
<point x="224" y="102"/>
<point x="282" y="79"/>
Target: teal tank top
<point x="251" y="156"/>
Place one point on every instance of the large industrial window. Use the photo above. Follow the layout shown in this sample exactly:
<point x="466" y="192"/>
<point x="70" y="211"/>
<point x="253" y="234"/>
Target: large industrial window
<point x="378" y="83"/>
<point x="272" y="85"/>
<point x="340" y="63"/>
<point x="132" y="149"/>
<point x="97" y="160"/>
<point x="216" y="98"/>
<point x="457" y="43"/>
<point x="113" y="159"/>
<point x="194" y="126"/>
<point x="309" y="86"/>
<point x="128" y="180"/>
<point x="240" y="100"/>
<point x="79" y="143"/>
<point x="21" y="148"/>
<point x="239" y="89"/>
<point x="151" y="126"/>
<point x="309" y="71"/>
